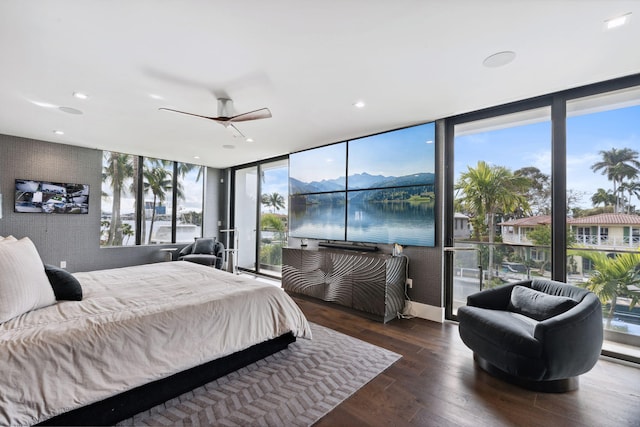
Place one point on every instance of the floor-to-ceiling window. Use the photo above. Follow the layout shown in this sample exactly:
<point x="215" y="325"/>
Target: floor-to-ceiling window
<point x="502" y="201"/>
<point x="603" y="170"/>
<point x="581" y="220"/>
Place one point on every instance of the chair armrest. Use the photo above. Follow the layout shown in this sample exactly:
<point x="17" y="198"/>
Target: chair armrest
<point x="185" y="251"/>
<point x="572" y="340"/>
<point x="495" y="298"/>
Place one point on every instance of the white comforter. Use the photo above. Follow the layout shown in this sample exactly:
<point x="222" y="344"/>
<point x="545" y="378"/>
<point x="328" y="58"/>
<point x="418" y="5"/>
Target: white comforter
<point x="134" y="325"/>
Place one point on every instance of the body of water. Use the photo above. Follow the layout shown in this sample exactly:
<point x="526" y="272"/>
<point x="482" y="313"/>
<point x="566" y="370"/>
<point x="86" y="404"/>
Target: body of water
<point x="406" y="223"/>
<point x="162" y="233"/>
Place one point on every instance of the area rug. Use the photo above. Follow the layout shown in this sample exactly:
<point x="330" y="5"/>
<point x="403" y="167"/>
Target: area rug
<point x="294" y="387"/>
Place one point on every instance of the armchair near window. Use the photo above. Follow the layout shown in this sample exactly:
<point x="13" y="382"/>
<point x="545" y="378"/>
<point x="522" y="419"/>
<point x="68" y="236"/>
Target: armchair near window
<point x="205" y="251"/>
<point x="539" y="334"/>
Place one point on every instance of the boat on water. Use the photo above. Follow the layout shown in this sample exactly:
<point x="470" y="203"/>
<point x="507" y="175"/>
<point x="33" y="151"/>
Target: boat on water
<point x="184" y="233"/>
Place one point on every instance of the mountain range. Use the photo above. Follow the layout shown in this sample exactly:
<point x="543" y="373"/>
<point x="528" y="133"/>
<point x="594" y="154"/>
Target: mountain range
<point x="358" y="182"/>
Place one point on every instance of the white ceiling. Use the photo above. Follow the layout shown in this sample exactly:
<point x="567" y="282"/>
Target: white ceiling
<point x="307" y="61"/>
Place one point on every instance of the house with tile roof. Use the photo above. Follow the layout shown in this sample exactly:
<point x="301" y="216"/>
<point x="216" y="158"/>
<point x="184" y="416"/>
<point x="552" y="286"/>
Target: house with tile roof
<point x="613" y="231"/>
<point x="608" y="231"/>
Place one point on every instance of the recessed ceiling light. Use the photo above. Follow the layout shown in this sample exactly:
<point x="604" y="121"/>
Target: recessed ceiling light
<point x="196" y="157"/>
<point x="618" y="21"/>
<point x="229" y="146"/>
<point x="359" y="104"/>
<point x="69" y="110"/>
<point x="499" y="59"/>
<point x="43" y="104"/>
<point x="58" y="132"/>
<point x="249" y="139"/>
<point x="154" y="96"/>
<point x="80" y="95"/>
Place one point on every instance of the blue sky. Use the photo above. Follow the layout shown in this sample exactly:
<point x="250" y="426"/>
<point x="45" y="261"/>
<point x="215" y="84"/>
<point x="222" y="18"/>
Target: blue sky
<point x="397" y="153"/>
<point x="530" y="145"/>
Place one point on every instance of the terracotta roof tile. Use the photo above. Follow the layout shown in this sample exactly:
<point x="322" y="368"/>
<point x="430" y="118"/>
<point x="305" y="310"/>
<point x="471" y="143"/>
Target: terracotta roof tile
<point x="529" y="221"/>
<point x="607" y="219"/>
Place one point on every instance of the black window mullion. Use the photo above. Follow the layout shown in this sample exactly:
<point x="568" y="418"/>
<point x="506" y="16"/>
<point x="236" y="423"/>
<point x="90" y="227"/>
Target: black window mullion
<point x="139" y="200"/>
<point x="174" y="201"/>
<point x="558" y="189"/>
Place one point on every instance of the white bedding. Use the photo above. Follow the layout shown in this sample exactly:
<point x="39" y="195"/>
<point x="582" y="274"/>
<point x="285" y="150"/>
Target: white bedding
<point x="134" y="325"/>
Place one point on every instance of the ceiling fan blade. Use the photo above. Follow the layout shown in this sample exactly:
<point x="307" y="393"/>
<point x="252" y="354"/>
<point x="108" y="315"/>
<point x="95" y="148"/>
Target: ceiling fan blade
<point x="189" y="114"/>
<point x="234" y="130"/>
<point x="262" y="113"/>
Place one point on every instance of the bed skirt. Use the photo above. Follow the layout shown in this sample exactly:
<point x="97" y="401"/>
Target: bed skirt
<point x="127" y="404"/>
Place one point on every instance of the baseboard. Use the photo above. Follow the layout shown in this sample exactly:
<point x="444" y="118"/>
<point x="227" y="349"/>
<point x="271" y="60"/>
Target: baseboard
<point x="424" y="311"/>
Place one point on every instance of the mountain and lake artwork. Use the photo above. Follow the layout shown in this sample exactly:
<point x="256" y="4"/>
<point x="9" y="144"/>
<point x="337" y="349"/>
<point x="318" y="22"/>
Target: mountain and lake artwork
<point x="332" y="198"/>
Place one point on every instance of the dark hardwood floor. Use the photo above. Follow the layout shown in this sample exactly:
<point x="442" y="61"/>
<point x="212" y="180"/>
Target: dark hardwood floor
<point x="435" y="383"/>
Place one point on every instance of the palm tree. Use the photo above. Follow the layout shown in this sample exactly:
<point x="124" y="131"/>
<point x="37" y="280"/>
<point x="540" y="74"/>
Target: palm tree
<point x="603" y="196"/>
<point x="185" y="168"/>
<point x="633" y="188"/>
<point x="614" y="277"/>
<point x="618" y="165"/>
<point x="158" y="181"/>
<point x="489" y="190"/>
<point x="274" y="200"/>
<point x="119" y="167"/>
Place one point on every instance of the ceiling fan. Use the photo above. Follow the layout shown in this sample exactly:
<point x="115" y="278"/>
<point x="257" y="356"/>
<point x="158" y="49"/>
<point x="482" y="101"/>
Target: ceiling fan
<point x="227" y="119"/>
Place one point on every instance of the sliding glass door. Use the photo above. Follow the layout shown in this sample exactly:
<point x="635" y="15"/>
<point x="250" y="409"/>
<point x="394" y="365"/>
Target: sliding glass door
<point x="245" y="219"/>
<point x="261" y="216"/>
<point x="273" y="229"/>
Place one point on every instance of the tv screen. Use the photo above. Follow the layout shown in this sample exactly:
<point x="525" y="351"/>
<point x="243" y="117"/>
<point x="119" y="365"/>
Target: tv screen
<point x="390" y="189"/>
<point x="318" y="170"/>
<point x="51" y="197"/>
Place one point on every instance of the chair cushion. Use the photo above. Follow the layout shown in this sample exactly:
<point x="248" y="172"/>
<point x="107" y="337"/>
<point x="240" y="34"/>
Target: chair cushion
<point x="204" y="245"/>
<point x="65" y="285"/>
<point x="538" y="305"/>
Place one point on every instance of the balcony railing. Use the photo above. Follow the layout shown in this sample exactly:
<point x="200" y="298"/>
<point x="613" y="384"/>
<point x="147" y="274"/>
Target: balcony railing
<point x="627" y="242"/>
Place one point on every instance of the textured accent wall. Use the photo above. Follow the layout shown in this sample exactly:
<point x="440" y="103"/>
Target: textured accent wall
<point x="59" y="237"/>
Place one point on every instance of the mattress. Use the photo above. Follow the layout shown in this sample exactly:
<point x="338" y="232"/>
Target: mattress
<point x="133" y="326"/>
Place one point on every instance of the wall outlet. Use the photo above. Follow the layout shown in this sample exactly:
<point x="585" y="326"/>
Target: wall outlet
<point x="63" y="264"/>
<point x="410" y="283"/>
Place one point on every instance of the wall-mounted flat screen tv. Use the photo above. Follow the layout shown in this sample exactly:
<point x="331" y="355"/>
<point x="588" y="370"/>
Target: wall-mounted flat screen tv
<point x="390" y="189"/>
<point x="51" y="197"/>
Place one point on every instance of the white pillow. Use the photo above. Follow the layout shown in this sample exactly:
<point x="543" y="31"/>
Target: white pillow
<point x="8" y="239"/>
<point x="24" y="285"/>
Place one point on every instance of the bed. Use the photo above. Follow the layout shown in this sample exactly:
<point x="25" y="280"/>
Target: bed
<point x="140" y="335"/>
